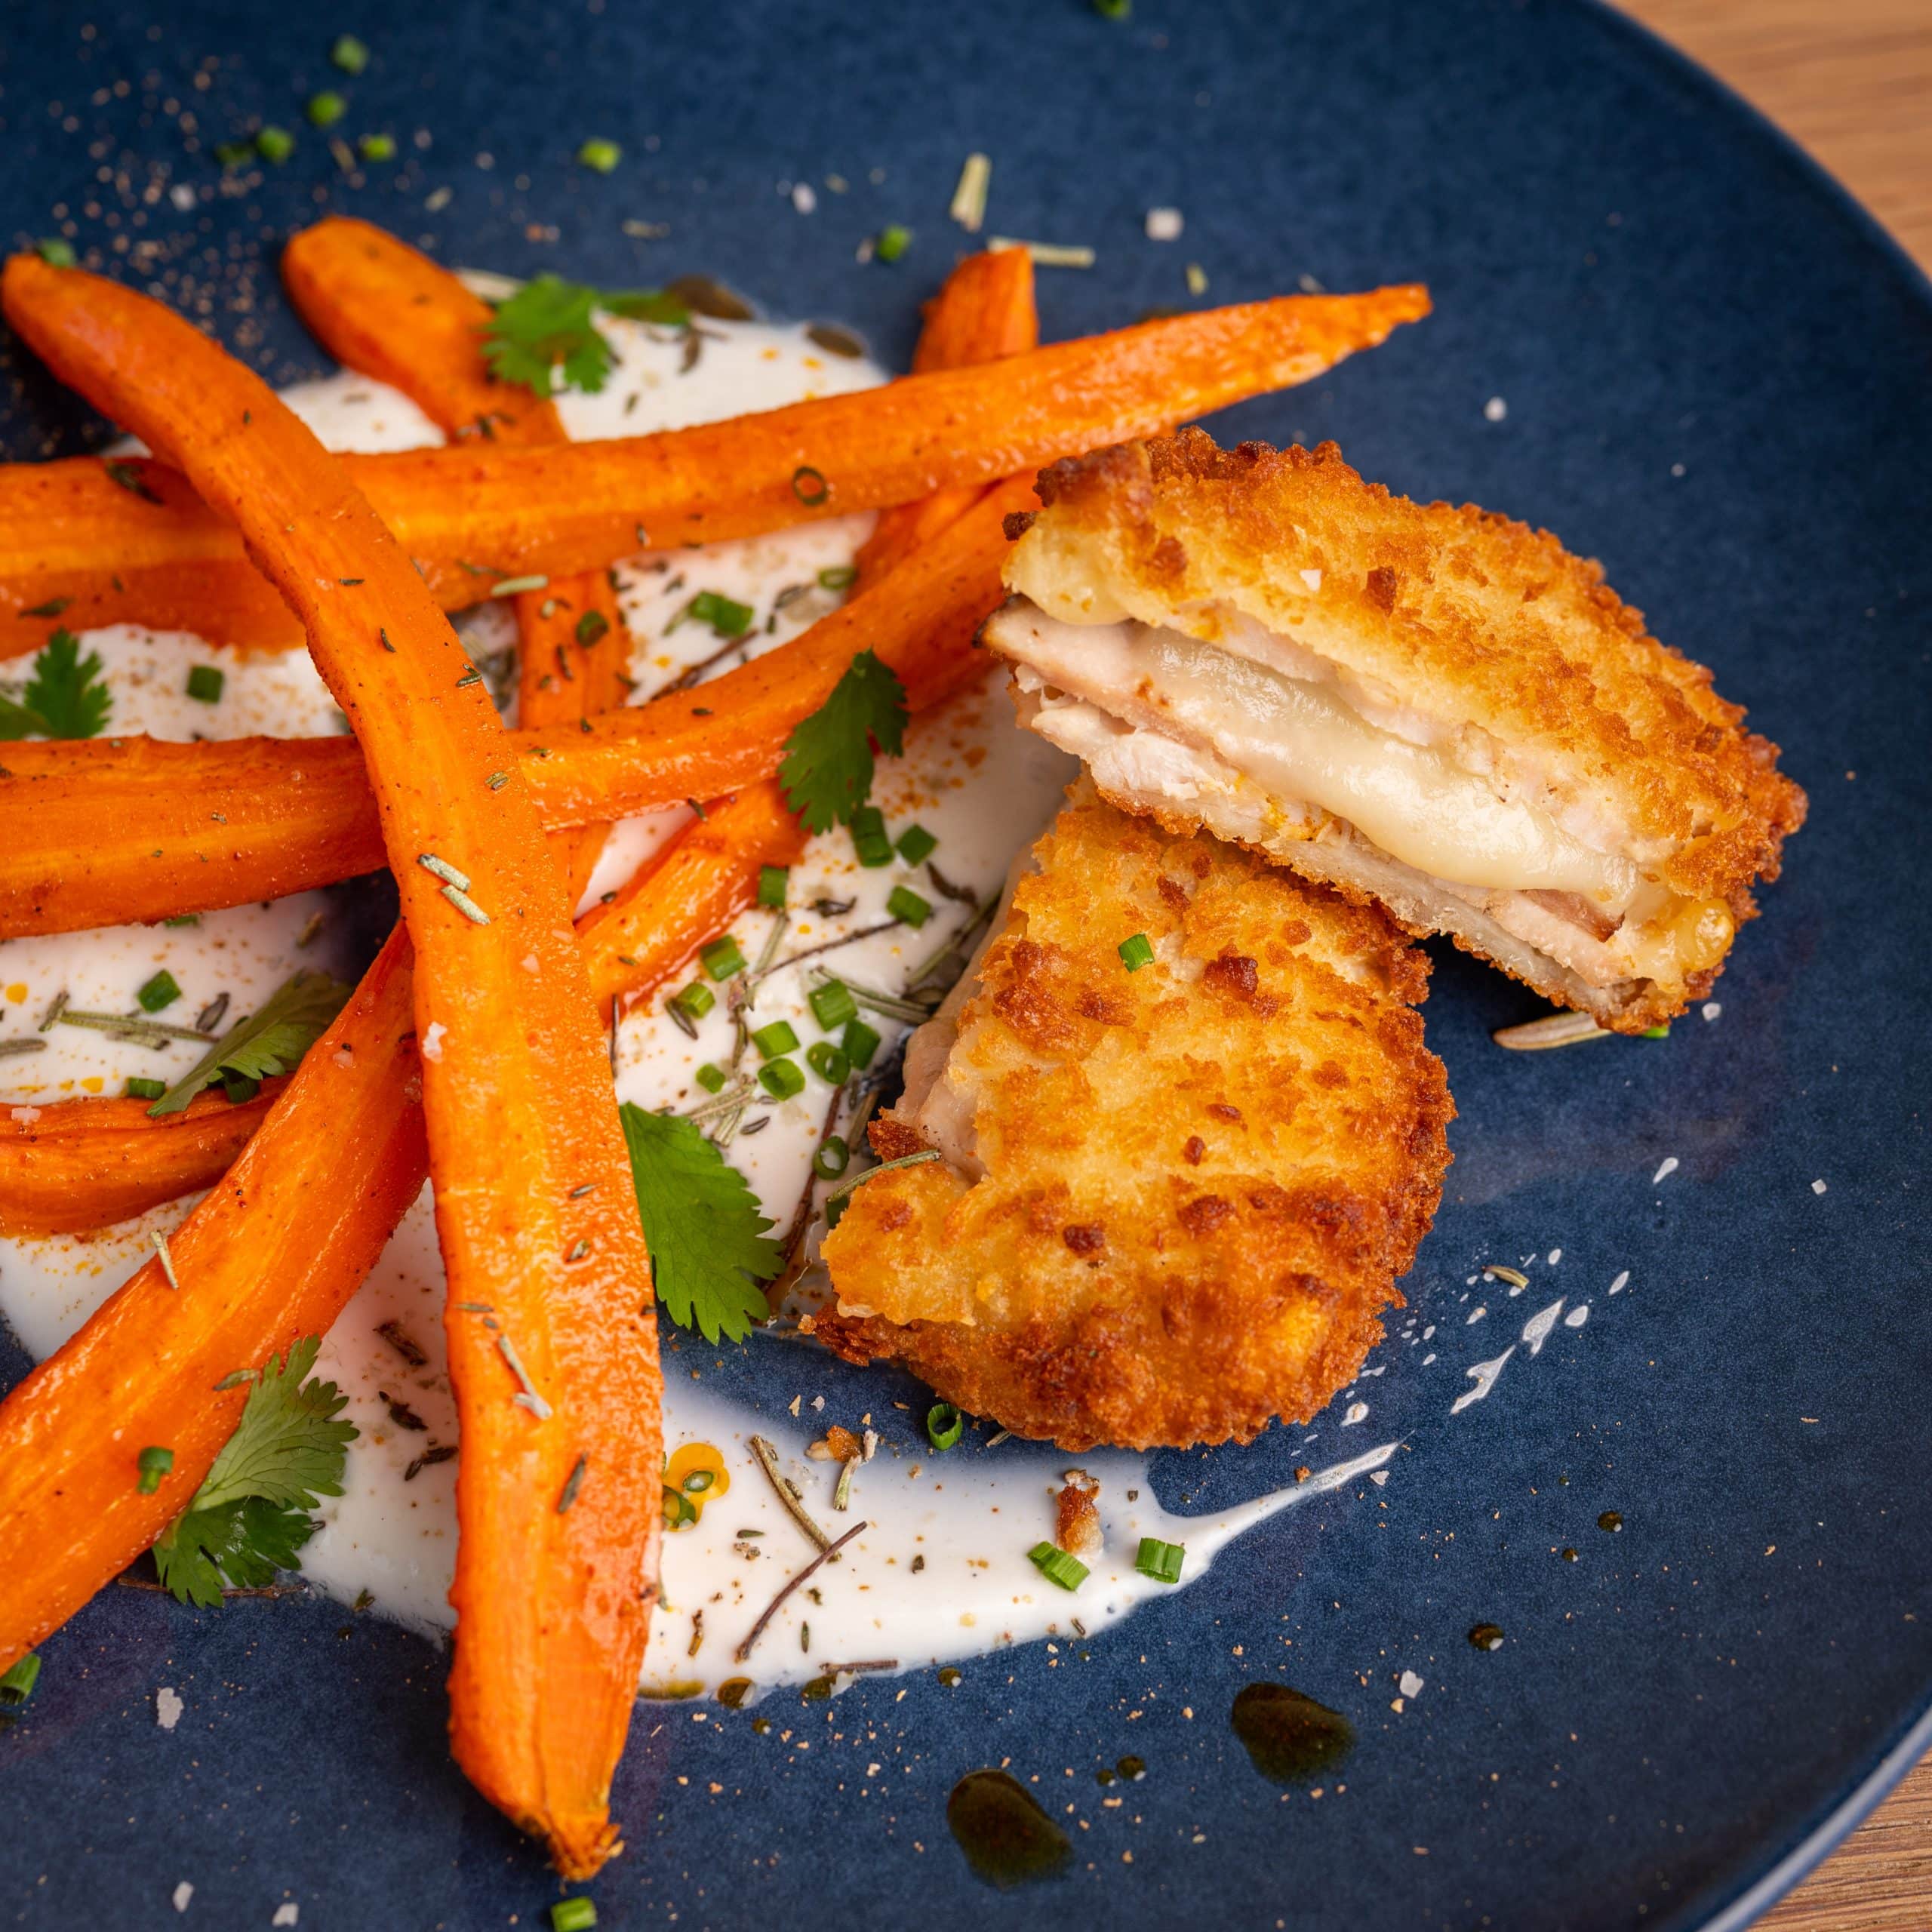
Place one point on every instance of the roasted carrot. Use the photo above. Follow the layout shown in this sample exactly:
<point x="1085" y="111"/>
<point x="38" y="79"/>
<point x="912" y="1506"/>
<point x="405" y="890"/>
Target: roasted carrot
<point x="378" y="306"/>
<point x="984" y="311"/>
<point x="534" y="1207"/>
<point x="80" y="1164"/>
<point x="272" y="1255"/>
<point x="104" y="831"/>
<point x="476" y="512"/>
<point x="693" y="889"/>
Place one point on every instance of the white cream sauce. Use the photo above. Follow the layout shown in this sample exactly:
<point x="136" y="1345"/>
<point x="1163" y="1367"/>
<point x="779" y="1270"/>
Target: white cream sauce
<point x="981" y="786"/>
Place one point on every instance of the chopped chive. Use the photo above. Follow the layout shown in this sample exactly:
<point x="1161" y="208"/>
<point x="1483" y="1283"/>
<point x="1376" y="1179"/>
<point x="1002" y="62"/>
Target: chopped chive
<point x="722" y="958"/>
<point x="903" y="903"/>
<point x="573" y="1914"/>
<point x="471" y="676"/>
<point x="1656" y="1032"/>
<point x="710" y="1078"/>
<point x="775" y="1039"/>
<point x="153" y="1463"/>
<point x="376" y="147"/>
<point x="1114" y="10"/>
<point x="514" y="586"/>
<point x="727" y="617"/>
<point x="349" y="54"/>
<point x="1136" y="952"/>
<point x="868" y="840"/>
<point x="772" y="881"/>
<point x="839" y="576"/>
<point x="832" y="1004"/>
<point x="781" y="1079"/>
<point x="809" y="486"/>
<point x="232" y="153"/>
<point x="858" y="1042"/>
<point x="572" y="1484"/>
<point x="832" y="1158"/>
<point x="601" y="156"/>
<point x="944" y="1424"/>
<point x="55" y="253"/>
<point x="694" y="1000"/>
<point x="827" y="1063"/>
<point x="275" y="145"/>
<point x="159" y="991"/>
<point x="327" y="108"/>
<point x="497" y="780"/>
<point x="592" y="628"/>
<point x="1054" y="1564"/>
<point x="204" y="683"/>
<point x="17" y="1686"/>
<point x="916" y="844"/>
<point x="139" y="1089"/>
<point x="183" y="919"/>
<point x="1161" y="1561"/>
<point x="891" y="242"/>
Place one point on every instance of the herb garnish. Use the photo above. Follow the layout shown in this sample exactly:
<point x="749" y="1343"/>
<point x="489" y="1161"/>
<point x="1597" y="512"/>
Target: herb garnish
<point x="250" y="1518"/>
<point x="292" y="1018"/>
<point x="827" y="770"/>
<point x="64" y="699"/>
<point x="543" y="338"/>
<point x="709" y="1249"/>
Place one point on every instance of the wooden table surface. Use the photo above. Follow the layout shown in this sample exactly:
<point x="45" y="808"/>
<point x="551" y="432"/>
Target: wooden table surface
<point x="1852" y="80"/>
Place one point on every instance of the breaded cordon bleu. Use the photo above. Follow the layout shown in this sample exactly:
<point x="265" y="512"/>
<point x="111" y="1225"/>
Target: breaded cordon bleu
<point x="1189" y="1138"/>
<point x="1431" y="707"/>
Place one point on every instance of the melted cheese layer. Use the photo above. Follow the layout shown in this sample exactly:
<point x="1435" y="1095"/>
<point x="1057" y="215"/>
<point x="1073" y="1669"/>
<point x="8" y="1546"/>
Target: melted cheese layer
<point x="1300" y="740"/>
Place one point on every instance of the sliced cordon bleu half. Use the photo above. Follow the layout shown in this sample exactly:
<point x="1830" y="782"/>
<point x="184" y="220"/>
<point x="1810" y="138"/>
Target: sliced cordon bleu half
<point x="1432" y="707"/>
<point x="1176" y="1184"/>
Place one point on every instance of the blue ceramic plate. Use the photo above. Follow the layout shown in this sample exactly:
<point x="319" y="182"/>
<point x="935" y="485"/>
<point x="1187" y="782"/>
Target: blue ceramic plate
<point x="1714" y="371"/>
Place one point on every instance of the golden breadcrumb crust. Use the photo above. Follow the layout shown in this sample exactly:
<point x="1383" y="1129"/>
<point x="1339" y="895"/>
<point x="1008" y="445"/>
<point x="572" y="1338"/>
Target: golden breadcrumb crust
<point x="1460" y="613"/>
<point x="1203" y="1177"/>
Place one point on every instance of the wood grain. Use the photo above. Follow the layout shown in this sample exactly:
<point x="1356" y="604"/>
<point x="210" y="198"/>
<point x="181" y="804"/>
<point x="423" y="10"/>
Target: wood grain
<point x="1852" y="81"/>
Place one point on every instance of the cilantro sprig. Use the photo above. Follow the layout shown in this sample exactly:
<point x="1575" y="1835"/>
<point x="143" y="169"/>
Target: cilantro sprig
<point x="826" y="773"/>
<point x="250" y="1517"/>
<point x="545" y="336"/>
<point x="292" y="1018"/>
<point x="64" y="698"/>
<point x="709" y="1247"/>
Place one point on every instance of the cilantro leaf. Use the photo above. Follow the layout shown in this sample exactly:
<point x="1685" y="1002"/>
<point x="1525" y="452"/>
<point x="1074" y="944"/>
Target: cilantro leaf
<point x="64" y="699"/>
<point x="544" y="338"/>
<point x="827" y="769"/>
<point x="709" y="1247"/>
<point x="292" y="1019"/>
<point x="249" y="1518"/>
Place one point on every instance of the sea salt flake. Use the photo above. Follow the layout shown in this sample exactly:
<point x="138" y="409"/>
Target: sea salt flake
<point x="1495" y="409"/>
<point x="182" y="197"/>
<point x="183" y="1892"/>
<point x="1577" y="1316"/>
<point x="26" y="1116"/>
<point x="1711" y="1009"/>
<point x="1622" y="1282"/>
<point x="432" y="1039"/>
<point x="1312" y="579"/>
<point x="803" y="199"/>
<point x="1378" y="1476"/>
<point x="1411" y="1685"/>
<point x="167" y="1707"/>
<point x="1817" y="1187"/>
<point x="1556" y="1255"/>
<point x="1667" y="1166"/>
<point x="290" y="1914"/>
<point x="1164" y="224"/>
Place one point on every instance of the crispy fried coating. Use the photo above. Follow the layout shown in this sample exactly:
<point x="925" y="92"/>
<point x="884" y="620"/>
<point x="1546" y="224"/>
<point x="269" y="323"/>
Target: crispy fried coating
<point x="1199" y="1181"/>
<point x="1530" y="663"/>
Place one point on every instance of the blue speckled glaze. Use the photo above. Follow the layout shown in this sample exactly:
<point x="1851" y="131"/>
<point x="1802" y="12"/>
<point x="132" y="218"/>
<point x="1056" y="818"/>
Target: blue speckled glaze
<point x="1716" y="376"/>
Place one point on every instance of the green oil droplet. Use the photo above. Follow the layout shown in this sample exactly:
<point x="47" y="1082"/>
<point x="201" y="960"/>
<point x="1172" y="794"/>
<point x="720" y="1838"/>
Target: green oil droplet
<point x="1132" y="1769"/>
<point x="1487" y="1636"/>
<point x="1008" y="1839"/>
<point x="1569" y="1555"/>
<point x="1103" y="1776"/>
<point x="1611" y="1519"/>
<point x="948" y="1676"/>
<point x="733" y="1692"/>
<point x="1289" y="1737"/>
